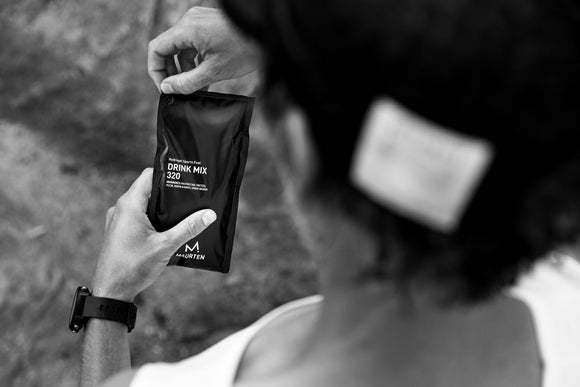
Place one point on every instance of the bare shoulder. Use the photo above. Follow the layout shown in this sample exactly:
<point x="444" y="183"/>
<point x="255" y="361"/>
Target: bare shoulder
<point x="510" y="336"/>
<point x="122" y="379"/>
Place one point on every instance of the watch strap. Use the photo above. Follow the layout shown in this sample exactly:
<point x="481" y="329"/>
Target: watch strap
<point x="110" y="309"/>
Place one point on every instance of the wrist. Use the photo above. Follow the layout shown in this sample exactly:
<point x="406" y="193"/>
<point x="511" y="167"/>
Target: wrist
<point x="114" y="292"/>
<point x="87" y="306"/>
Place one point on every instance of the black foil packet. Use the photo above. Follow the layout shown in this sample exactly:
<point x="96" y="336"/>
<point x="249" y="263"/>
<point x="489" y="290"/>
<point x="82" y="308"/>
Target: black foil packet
<point x="202" y="146"/>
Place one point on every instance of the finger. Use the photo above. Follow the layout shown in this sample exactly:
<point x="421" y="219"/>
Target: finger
<point x="188" y="82"/>
<point x="186" y="59"/>
<point x="190" y="227"/>
<point x="170" y="67"/>
<point x="140" y="191"/>
<point x="167" y="44"/>
<point x="196" y="62"/>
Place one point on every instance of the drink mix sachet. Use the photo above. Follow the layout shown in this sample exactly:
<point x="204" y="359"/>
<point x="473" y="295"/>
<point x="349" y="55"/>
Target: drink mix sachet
<point x="202" y="146"/>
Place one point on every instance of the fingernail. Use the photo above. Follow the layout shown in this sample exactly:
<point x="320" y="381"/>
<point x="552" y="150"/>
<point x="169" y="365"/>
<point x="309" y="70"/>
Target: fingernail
<point x="208" y="218"/>
<point x="167" y="88"/>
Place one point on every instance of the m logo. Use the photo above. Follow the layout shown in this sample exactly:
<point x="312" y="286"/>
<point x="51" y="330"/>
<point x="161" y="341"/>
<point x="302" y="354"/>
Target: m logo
<point x="194" y="248"/>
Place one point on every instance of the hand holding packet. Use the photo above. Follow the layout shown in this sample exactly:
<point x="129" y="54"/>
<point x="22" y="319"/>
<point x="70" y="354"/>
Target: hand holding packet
<point x="202" y="146"/>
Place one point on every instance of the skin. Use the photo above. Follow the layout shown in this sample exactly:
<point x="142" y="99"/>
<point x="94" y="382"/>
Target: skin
<point x="363" y="334"/>
<point x="203" y="36"/>
<point x="133" y="254"/>
<point x="132" y="257"/>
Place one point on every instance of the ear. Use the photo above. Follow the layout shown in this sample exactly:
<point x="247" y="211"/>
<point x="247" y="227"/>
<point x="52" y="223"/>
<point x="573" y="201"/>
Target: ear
<point x="300" y="161"/>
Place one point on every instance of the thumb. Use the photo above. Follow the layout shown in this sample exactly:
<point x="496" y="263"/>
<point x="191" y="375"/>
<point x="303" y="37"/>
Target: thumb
<point x="190" y="227"/>
<point x="189" y="81"/>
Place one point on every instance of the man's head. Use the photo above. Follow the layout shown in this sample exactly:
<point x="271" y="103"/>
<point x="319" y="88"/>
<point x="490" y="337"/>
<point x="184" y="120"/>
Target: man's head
<point x="506" y="72"/>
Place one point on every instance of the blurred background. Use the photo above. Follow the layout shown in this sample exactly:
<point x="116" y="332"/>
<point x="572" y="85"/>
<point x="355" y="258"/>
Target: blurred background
<point x="77" y="125"/>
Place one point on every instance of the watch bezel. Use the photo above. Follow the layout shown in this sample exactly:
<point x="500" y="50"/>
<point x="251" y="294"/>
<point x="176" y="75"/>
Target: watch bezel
<point x="76" y="320"/>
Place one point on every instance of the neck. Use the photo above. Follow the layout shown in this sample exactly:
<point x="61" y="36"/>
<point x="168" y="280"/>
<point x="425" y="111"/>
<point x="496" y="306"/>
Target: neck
<point x="373" y="313"/>
<point x="358" y="309"/>
<point x="366" y="328"/>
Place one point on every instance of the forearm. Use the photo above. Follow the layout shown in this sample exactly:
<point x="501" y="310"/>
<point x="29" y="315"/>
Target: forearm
<point x="105" y="351"/>
<point x="132" y="257"/>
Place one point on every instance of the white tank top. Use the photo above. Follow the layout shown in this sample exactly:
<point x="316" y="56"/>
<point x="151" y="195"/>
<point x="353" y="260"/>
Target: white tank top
<point x="551" y="291"/>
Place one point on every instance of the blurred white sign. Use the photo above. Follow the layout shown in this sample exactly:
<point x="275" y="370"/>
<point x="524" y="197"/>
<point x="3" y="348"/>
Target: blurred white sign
<point x="417" y="169"/>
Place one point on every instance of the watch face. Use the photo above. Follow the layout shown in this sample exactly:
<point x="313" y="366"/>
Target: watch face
<point x="76" y="320"/>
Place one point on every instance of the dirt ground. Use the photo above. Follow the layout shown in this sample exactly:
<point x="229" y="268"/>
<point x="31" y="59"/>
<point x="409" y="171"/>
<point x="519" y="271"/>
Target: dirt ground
<point x="77" y="125"/>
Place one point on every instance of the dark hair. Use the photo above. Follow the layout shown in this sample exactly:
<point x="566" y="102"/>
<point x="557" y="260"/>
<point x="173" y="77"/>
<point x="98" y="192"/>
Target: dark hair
<point x="507" y="71"/>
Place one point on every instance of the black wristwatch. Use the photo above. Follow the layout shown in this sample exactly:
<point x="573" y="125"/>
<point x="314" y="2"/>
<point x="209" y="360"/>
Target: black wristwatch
<point x="86" y="306"/>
